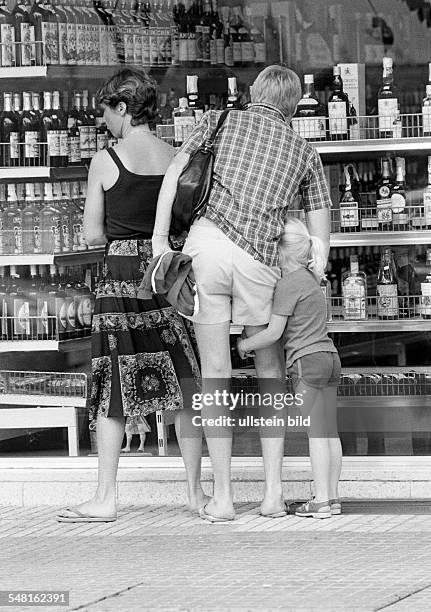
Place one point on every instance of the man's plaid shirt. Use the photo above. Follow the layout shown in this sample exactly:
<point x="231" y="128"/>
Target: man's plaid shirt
<point x="261" y="165"/>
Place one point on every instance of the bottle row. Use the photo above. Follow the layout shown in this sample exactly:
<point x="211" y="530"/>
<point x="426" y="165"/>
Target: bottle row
<point x="42" y="218"/>
<point x="49" y="136"/>
<point x="390" y="208"/>
<point x="142" y="33"/>
<point x="54" y="306"/>
<point x="396" y="291"/>
<point x="67" y="384"/>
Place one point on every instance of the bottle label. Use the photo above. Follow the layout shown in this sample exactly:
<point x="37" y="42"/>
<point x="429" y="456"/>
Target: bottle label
<point x="387" y="300"/>
<point x="349" y="214"/>
<point x="387" y="109"/>
<point x="354" y="299"/>
<point x="84" y="139"/>
<point x="311" y="128"/>
<point x="425" y="304"/>
<point x="53" y="139"/>
<point x="398" y="202"/>
<point x="17" y="234"/>
<point x="260" y="53"/>
<point x="63" y="143"/>
<point x="74" y="150"/>
<point x="46" y="41"/>
<point x="71" y="314"/>
<point x="384" y="210"/>
<point x="63" y="54"/>
<point x="146" y="48"/>
<point x="85" y="312"/>
<point x="21" y="323"/>
<point x="71" y="43"/>
<point x="426" y="119"/>
<point x="220" y="51"/>
<point x="183" y="127"/>
<point x="54" y="34"/>
<point x="37" y="239"/>
<point x="7" y="35"/>
<point x="28" y="55"/>
<point x="427" y="207"/>
<point x="247" y="52"/>
<point x="31" y="146"/>
<point x="14" y="145"/>
<point x="337" y="112"/>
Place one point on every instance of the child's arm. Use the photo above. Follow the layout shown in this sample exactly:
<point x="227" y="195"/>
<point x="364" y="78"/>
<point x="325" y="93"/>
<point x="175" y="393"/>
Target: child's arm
<point x="264" y="338"/>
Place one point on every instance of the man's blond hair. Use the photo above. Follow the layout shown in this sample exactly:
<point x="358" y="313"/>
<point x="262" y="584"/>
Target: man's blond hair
<point x="278" y="86"/>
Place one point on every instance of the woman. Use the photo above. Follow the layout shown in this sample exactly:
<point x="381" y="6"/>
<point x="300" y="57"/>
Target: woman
<point x="140" y="348"/>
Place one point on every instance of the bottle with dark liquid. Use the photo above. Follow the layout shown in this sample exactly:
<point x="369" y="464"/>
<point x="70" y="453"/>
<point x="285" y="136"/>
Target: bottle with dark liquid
<point x="400" y="215"/>
<point x="349" y="205"/>
<point x="309" y="120"/>
<point x="30" y="133"/>
<point x="10" y="137"/>
<point x="338" y="109"/>
<point x="384" y="204"/>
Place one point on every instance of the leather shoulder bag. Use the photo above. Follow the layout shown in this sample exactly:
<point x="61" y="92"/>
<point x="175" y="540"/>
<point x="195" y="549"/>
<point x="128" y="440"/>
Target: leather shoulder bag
<point x="194" y="184"/>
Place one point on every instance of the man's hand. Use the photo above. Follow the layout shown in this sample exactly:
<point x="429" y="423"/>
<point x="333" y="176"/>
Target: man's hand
<point x="160" y="245"/>
<point x="242" y="350"/>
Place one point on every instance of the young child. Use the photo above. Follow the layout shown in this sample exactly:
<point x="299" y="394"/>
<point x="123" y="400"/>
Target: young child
<point x="299" y="314"/>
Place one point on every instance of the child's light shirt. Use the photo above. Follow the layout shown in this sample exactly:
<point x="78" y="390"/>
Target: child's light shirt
<point x="299" y="297"/>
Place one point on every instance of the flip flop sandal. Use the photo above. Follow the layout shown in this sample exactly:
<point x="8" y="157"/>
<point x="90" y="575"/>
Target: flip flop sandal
<point x="214" y="519"/>
<point x="280" y="514"/>
<point x="81" y="517"/>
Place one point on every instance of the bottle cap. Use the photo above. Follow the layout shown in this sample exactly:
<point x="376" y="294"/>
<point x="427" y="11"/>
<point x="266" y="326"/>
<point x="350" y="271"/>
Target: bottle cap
<point x="183" y="103"/>
<point x="309" y="78"/>
<point x="232" y="86"/>
<point x="388" y="62"/>
<point x="336" y="70"/>
<point x="428" y="90"/>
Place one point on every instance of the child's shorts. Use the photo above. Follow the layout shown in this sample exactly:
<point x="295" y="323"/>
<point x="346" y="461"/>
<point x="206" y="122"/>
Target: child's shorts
<point x="318" y="370"/>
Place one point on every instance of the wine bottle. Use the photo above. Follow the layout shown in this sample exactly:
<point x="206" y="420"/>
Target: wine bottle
<point x="7" y="36"/>
<point x="193" y="99"/>
<point x="387" y="287"/>
<point x="354" y="289"/>
<point x="338" y="108"/>
<point x="400" y="216"/>
<point x="426" y="107"/>
<point x="349" y="205"/>
<point x="24" y="33"/>
<point x="309" y="119"/>
<point x="232" y="98"/>
<point x="388" y="101"/>
<point x="50" y="131"/>
<point x="10" y="136"/>
<point x="50" y="222"/>
<point x="40" y="21"/>
<point x="30" y="133"/>
<point x="384" y="204"/>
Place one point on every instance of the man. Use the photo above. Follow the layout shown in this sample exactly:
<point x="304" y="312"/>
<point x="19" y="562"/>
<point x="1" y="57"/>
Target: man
<point x="261" y="165"/>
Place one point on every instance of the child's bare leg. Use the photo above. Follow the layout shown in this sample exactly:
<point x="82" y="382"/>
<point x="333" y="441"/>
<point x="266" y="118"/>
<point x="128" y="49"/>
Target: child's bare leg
<point x="142" y="437"/>
<point x="129" y="437"/>
<point x="335" y="448"/>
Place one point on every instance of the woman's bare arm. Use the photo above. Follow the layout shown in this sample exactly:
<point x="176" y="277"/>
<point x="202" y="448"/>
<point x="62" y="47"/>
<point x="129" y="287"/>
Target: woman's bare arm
<point x="94" y="211"/>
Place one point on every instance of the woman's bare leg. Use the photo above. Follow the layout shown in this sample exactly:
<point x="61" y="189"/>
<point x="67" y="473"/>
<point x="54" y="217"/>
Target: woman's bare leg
<point x="110" y="433"/>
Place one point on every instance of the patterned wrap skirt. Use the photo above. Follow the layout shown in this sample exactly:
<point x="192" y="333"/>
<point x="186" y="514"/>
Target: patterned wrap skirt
<point x="142" y="350"/>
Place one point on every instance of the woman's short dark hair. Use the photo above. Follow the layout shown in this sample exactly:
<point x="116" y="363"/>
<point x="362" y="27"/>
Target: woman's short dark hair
<point x="134" y="87"/>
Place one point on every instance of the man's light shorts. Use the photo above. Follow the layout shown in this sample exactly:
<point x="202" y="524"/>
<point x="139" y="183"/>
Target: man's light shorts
<point x="231" y="284"/>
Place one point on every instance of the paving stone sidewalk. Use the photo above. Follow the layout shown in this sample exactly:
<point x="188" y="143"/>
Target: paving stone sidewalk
<point x="163" y="558"/>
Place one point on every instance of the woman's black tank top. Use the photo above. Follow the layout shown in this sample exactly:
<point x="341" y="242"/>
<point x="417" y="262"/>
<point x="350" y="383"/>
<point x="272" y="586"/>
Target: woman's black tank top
<point x="130" y="204"/>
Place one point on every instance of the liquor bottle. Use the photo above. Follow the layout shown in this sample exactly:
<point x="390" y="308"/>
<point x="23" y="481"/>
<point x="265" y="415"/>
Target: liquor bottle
<point x="181" y="21"/>
<point x="193" y="99"/>
<point x="53" y="31"/>
<point x="66" y="222"/>
<point x="184" y="122"/>
<point x="333" y="32"/>
<point x="73" y="137"/>
<point x="354" y="290"/>
<point x="400" y="215"/>
<point x="247" y="46"/>
<point x="354" y="129"/>
<point x="7" y="36"/>
<point x="66" y="287"/>
<point x="50" y="222"/>
<point x="30" y="221"/>
<point x="426" y="108"/>
<point x="72" y="32"/>
<point x="85" y="308"/>
<point x="388" y="101"/>
<point x="205" y="33"/>
<point x="235" y="25"/>
<point x="62" y="16"/>
<point x="191" y="33"/>
<point x="90" y="118"/>
<point x="232" y="97"/>
<point x="257" y="37"/>
<point x="30" y="133"/>
<point x="4" y="320"/>
<point x="406" y="283"/>
<point x="9" y="130"/>
<point x="309" y="120"/>
<point x="57" y="321"/>
<point x="79" y="243"/>
<point x="95" y="42"/>
<point x="338" y="109"/>
<point x="24" y="33"/>
<point x="384" y="203"/>
<point x="19" y="307"/>
<point x="349" y="205"/>
<point x="60" y="120"/>
<point x="12" y="222"/>
<point x="425" y="300"/>
<point x="387" y="287"/>
<point x="40" y="20"/>
<point x="427" y="197"/>
<point x="32" y="290"/>
<point x="50" y="131"/>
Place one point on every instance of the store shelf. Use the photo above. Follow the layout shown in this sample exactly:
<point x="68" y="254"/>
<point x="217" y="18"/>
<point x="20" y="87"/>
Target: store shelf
<point x="62" y="259"/>
<point x="20" y="399"/>
<point x="23" y="72"/>
<point x="374" y="145"/>
<point x="380" y="238"/>
<point x="24" y="173"/>
<point x="62" y="346"/>
<point x="417" y="325"/>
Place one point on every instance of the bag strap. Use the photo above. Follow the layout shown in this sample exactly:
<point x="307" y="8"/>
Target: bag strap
<point x="220" y="122"/>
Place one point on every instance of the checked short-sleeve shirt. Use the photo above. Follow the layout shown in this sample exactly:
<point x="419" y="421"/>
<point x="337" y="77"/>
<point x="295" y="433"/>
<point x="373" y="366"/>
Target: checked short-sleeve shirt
<point x="261" y="165"/>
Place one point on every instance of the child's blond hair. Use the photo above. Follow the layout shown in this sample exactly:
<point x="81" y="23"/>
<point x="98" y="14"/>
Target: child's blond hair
<point x="299" y="246"/>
